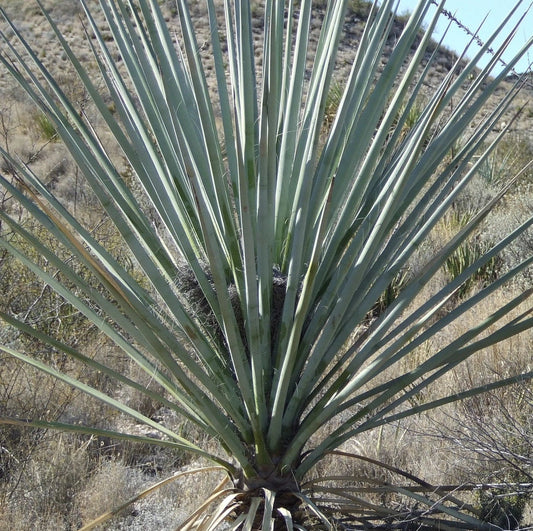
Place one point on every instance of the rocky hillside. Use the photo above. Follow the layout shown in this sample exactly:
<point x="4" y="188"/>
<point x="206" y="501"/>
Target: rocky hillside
<point x="29" y="134"/>
<point x="67" y="13"/>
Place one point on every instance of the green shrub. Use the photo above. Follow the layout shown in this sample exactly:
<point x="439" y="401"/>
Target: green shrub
<point x="502" y="510"/>
<point x="468" y="254"/>
<point x="511" y="155"/>
<point x="46" y="127"/>
<point x="360" y="8"/>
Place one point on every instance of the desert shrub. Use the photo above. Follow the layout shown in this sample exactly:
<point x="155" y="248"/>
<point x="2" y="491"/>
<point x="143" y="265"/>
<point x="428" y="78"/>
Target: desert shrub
<point x="508" y="216"/>
<point x="497" y="432"/>
<point x="391" y="293"/>
<point x="511" y="155"/>
<point x="46" y="127"/>
<point x="333" y="100"/>
<point x="25" y="296"/>
<point x="360" y="8"/>
<point x="126" y="481"/>
<point x="468" y="254"/>
<point x="42" y="491"/>
<point x="501" y="510"/>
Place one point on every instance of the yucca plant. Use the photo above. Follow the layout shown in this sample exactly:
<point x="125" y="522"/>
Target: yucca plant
<point x="261" y="249"/>
<point x="467" y="254"/>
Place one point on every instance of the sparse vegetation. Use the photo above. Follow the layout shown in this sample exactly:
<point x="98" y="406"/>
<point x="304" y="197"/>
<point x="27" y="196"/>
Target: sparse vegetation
<point x="512" y="154"/>
<point x="46" y="127"/>
<point x="467" y="254"/>
<point x="314" y="281"/>
<point x="360" y="8"/>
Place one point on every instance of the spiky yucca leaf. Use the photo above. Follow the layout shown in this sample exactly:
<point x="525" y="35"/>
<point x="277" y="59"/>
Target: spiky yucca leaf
<point x="261" y="245"/>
